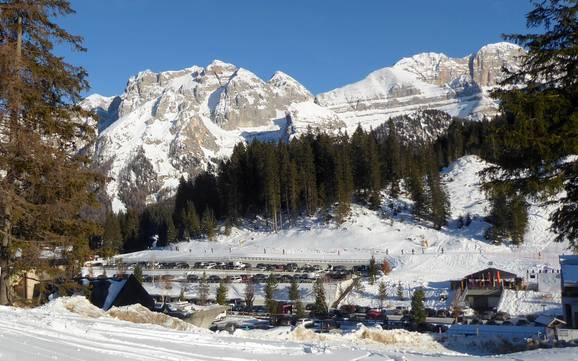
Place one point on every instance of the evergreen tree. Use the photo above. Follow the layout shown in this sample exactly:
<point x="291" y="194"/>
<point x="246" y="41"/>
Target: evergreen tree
<point x="112" y="238"/>
<point x="418" y="194"/>
<point x="320" y="307"/>
<point x="249" y="294"/>
<point x="418" y="313"/>
<point x="439" y="200"/>
<point x="382" y="293"/>
<point x="372" y="270"/>
<point x="137" y="273"/>
<point x="272" y="188"/>
<point x="222" y="292"/>
<point x="270" y="288"/>
<point x="294" y="294"/>
<point x="393" y="170"/>
<point x="537" y="126"/>
<point x="203" y="293"/>
<point x="46" y="184"/>
<point x="209" y="224"/>
<point x="300" y="310"/>
<point x="191" y="221"/>
<point x="564" y="219"/>
<point x="344" y="180"/>
<point x="399" y="292"/>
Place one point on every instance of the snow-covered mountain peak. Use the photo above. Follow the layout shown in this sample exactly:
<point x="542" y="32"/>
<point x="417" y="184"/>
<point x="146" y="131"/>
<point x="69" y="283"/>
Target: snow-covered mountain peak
<point x="285" y="84"/>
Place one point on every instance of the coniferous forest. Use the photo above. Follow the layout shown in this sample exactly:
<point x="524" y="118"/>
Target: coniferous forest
<point x="316" y="174"/>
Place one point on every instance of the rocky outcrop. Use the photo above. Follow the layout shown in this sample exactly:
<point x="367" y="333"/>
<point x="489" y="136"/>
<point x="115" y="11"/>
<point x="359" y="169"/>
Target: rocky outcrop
<point x="458" y="86"/>
<point x="172" y="124"/>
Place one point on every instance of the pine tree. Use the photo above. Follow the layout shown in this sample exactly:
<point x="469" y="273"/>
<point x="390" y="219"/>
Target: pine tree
<point x="418" y="313"/>
<point x="272" y="188"/>
<point x="137" y="273"/>
<point x="393" y="171"/>
<point x="439" y="200"/>
<point x="372" y="270"/>
<point x="222" y="292"/>
<point x="564" y="219"/>
<point x="300" y="311"/>
<point x="112" y="236"/>
<point x="399" y="292"/>
<point x="537" y="127"/>
<point x="294" y="294"/>
<point x="382" y="293"/>
<point x="209" y="224"/>
<point x="47" y="183"/>
<point x="320" y="307"/>
<point x="418" y="194"/>
<point x="249" y="294"/>
<point x="203" y="293"/>
<point x="270" y="288"/>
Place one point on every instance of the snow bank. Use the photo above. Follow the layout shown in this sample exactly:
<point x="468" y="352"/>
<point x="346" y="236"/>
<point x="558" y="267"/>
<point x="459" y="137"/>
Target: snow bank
<point x="136" y="313"/>
<point x="390" y="339"/>
<point x="140" y="314"/>
<point x="76" y="304"/>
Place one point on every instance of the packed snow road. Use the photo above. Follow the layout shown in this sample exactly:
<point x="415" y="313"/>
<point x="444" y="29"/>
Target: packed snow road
<point x="74" y="330"/>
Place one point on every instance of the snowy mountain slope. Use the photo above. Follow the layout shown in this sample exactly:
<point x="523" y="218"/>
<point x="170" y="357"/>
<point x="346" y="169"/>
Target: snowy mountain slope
<point x="458" y="86"/>
<point x="175" y="123"/>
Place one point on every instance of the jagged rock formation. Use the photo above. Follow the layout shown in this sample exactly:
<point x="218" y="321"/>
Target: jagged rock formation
<point x="458" y="86"/>
<point x="175" y="123"/>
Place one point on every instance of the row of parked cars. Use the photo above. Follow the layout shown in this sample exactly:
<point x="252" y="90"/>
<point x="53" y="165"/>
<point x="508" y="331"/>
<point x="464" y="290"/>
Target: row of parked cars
<point x="288" y="267"/>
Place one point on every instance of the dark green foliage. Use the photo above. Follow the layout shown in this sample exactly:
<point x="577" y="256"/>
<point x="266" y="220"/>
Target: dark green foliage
<point x="320" y="307"/>
<point x="381" y="293"/>
<point x="372" y="270"/>
<point x="222" y="292"/>
<point x="249" y="293"/>
<point x="439" y="204"/>
<point x="46" y="186"/>
<point x="112" y="238"/>
<point x="294" y="294"/>
<point x="399" y="291"/>
<point x="209" y="224"/>
<point x="418" y="313"/>
<point x="137" y="273"/>
<point x="538" y="125"/>
<point x="565" y="220"/>
<point x="270" y="288"/>
<point x="203" y="289"/>
<point x="508" y="216"/>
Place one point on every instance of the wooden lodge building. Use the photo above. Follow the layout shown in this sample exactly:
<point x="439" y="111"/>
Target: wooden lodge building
<point x="482" y="290"/>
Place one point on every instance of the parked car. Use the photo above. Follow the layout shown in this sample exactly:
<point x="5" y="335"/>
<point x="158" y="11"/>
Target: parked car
<point x="374" y="314"/>
<point x="214" y="279"/>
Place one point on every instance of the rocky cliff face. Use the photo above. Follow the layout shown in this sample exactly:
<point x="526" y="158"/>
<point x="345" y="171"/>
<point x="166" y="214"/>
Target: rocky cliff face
<point x="458" y="86"/>
<point x="174" y="123"/>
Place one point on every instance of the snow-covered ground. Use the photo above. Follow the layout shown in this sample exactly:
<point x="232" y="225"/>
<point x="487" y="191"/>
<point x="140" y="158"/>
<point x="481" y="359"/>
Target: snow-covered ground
<point x="74" y="330"/>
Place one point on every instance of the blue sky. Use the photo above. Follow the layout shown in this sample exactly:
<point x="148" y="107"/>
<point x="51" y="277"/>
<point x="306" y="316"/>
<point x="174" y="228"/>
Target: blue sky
<point x="324" y="44"/>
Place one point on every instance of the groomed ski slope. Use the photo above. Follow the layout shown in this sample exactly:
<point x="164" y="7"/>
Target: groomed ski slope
<point x="74" y="330"/>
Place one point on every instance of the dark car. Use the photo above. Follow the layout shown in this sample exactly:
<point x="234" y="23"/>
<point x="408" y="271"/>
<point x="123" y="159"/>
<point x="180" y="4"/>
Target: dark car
<point x="192" y="278"/>
<point x="214" y="279"/>
<point x="502" y="316"/>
